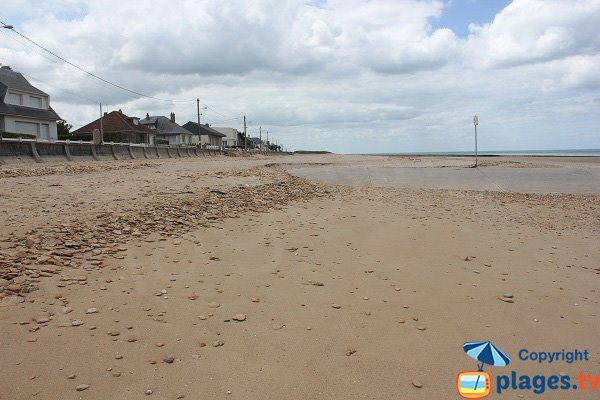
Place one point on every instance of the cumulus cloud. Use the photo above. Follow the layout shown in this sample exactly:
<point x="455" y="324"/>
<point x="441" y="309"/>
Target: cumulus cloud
<point x="530" y="31"/>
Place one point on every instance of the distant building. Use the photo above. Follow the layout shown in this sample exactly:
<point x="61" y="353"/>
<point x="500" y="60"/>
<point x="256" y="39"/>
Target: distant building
<point x="167" y="131"/>
<point x="232" y="137"/>
<point x="118" y="127"/>
<point x="254" y="143"/>
<point x="24" y="108"/>
<point x="205" y="135"/>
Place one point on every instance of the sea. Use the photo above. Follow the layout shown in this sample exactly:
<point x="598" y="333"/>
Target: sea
<point x="539" y="153"/>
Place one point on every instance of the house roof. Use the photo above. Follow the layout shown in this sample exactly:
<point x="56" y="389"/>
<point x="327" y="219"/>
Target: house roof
<point x="115" y="121"/>
<point x="14" y="80"/>
<point x="164" y="126"/>
<point x="254" y="140"/>
<point x="203" y="130"/>
<point x="10" y="79"/>
<point x="28" y="112"/>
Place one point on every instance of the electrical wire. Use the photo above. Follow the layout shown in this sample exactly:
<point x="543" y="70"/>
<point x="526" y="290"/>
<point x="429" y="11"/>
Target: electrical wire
<point x="92" y="74"/>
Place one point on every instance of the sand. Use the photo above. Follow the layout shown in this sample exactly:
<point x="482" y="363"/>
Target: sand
<point x="300" y="290"/>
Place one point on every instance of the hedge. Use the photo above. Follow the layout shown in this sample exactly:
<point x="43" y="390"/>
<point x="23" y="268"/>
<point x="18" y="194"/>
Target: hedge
<point x="17" y="135"/>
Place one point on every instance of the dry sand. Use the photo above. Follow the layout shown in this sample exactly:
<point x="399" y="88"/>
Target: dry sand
<point x="228" y="279"/>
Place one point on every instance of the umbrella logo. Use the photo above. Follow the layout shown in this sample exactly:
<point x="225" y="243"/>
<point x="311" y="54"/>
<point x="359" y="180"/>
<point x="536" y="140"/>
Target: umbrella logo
<point x="477" y="384"/>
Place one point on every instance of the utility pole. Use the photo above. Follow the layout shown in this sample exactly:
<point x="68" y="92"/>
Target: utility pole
<point x="268" y="144"/>
<point x="260" y="139"/>
<point x="245" y="136"/>
<point x="475" y="123"/>
<point x="199" y="137"/>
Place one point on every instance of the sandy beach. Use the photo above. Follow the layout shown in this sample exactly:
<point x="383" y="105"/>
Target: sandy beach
<point x="230" y="278"/>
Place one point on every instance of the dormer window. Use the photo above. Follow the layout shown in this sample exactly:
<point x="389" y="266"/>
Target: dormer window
<point x="14" y="98"/>
<point x="35" y="101"/>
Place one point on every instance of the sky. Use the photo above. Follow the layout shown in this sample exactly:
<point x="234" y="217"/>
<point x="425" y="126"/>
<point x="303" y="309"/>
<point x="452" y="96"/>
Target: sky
<point x="348" y="76"/>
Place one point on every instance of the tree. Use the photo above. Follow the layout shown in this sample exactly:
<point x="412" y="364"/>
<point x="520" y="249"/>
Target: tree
<point x="63" y="128"/>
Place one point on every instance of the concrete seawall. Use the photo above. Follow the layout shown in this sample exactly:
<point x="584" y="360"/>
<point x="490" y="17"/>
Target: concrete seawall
<point x="29" y="151"/>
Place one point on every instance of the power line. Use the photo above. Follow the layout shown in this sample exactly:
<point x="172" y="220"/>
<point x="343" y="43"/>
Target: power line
<point x="64" y="90"/>
<point x="92" y="74"/>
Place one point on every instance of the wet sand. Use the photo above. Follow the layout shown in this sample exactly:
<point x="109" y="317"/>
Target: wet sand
<point x="227" y="278"/>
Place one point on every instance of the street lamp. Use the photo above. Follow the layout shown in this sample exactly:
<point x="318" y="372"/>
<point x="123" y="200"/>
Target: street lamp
<point x="475" y="123"/>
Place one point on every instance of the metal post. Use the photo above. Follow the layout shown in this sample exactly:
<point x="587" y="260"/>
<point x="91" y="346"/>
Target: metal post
<point x="101" y="127"/>
<point x="245" y="135"/>
<point x="260" y="139"/>
<point x="475" y="123"/>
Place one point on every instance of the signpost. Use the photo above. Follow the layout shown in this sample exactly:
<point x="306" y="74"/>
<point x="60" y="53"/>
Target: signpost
<point x="475" y="123"/>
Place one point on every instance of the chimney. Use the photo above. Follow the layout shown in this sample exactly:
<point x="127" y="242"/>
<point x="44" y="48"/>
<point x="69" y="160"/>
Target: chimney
<point x="120" y="111"/>
<point x="105" y="113"/>
<point x="173" y="117"/>
<point x="147" y="115"/>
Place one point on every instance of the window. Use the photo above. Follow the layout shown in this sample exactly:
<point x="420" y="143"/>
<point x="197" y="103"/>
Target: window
<point x="14" y="98"/>
<point x="29" y="128"/>
<point x="45" y="131"/>
<point x="35" y="101"/>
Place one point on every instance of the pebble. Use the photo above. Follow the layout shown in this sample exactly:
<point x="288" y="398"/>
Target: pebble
<point x="218" y="343"/>
<point x="417" y="384"/>
<point x="180" y="396"/>
<point x="82" y="387"/>
<point x="214" y="304"/>
<point x="336" y="306"/>
<point x="148" y="392"/>
<point x="506" y="299"/>
<point x="92" y="310"/>
<point x="239" y="317"/>
<point x="169" y="359"/>
<point x="77" y="322"/>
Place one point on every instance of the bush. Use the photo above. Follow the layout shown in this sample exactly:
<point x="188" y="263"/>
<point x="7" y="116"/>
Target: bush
<point x="17" y="135"/>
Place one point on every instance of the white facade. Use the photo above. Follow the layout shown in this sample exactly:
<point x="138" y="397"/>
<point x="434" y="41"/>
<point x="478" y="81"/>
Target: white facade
<point x="179" y="140"/>
<point x="210" y="140"/>
<point x="42" y="129"/>
<point x="231" y="137"/>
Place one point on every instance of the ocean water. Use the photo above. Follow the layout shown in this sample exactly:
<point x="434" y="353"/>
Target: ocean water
<point x="547" y="153"/>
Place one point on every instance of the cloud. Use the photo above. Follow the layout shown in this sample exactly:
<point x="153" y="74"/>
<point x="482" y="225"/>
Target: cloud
<point x="530" y="31"/>
<point x="344" y="75"/>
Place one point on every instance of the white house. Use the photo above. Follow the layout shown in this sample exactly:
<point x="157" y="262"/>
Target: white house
<point x="231" y="136"/>
<point x="205" y="135"/>
<point x="167" y="131"/>
<point x="24" y="108"/>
